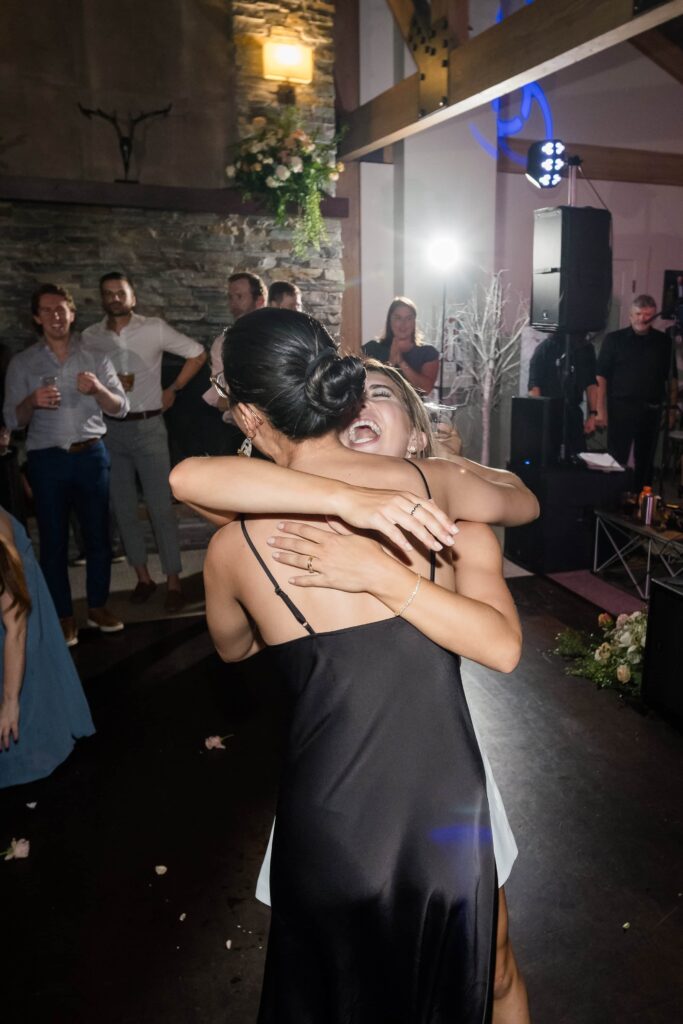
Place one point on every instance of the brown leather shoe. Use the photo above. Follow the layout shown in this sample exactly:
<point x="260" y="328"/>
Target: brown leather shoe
<point x="69" y="630"/>
<point x="102" y="619"/>
<point x="142" y="592"/>
<point x="175" y="602"/>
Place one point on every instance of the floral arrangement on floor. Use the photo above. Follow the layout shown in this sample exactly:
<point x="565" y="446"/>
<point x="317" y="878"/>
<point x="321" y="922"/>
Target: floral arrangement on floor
<point x="282" y="163"/>
<point x="615" y="660"/>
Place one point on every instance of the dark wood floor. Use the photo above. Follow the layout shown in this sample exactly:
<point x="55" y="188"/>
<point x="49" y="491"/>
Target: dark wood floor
<point x="91" y="935"/>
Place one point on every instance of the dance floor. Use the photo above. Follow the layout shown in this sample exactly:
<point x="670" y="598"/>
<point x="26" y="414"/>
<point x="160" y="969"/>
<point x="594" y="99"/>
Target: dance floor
<point x="93" y="935"/>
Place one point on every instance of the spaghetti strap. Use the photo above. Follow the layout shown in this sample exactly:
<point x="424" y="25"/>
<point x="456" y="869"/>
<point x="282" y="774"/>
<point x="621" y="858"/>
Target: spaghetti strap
<point x="299" y="616"/>
<point x="432" y="555"/>
<point x="424" y="478"/>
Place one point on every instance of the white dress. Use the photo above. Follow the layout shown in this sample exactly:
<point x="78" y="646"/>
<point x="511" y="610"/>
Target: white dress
<point x="504" y="845"/>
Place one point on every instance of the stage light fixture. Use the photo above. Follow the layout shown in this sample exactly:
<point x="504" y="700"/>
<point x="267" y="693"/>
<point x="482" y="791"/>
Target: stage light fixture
<point x="443" y="254"/>
<point x="544" y="163"/>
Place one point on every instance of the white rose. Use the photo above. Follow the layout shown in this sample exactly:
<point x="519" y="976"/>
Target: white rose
<point x="282" y="172"/>
<point x="334" y="176"/>
<point x="622" y="620"/>
<point x="623" y="673"/>
<point x="625" y="639"/>
<point x="296" y="164"/>
<point x="272" y="182"/>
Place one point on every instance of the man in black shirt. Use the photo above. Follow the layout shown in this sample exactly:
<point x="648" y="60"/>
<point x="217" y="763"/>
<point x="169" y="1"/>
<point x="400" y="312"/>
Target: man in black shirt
<point x="634" y="368"/>
<point x="548" y="380"/>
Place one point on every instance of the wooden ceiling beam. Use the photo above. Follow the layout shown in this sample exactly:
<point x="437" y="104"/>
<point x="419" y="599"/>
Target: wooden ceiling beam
<point x="403" y="12"/>
<point x="610" y="163"/>
<point x="536" y="41"/>
<point x="665" y="53"/>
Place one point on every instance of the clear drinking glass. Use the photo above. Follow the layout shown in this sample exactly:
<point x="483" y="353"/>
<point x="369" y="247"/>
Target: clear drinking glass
<point x="52" y="381"/>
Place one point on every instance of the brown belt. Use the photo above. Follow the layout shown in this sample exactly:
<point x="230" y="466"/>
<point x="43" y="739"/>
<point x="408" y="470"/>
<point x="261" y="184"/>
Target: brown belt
<point x="137" y="415"/>
<point x="82" y="446"/>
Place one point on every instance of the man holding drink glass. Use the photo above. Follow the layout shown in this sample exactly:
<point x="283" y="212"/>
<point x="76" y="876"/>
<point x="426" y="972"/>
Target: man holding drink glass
<point x="59" y="391"/>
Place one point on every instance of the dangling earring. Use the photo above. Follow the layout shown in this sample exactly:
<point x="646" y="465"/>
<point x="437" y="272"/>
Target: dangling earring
<point x="245" y="448"/>
<point x="411" y="451"/>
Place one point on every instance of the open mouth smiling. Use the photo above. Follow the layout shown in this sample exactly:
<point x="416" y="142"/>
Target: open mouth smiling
<point x="364" y="432"/>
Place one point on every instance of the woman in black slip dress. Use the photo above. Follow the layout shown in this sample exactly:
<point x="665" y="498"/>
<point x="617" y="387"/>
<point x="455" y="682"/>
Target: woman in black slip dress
<point x="383" y="876"/>
<point x="393" y="421"/>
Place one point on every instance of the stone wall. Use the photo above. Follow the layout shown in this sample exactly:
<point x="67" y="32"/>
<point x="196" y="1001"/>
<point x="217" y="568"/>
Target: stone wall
<point x="312" y="22"/>
<point x="205" y="57"/>
<point x="179" y="261"/>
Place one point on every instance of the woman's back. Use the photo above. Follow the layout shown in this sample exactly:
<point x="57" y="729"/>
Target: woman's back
<point x="325" y="609"/>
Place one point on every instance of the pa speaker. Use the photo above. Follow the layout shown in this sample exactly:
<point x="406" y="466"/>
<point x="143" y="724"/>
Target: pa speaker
<point x="664" y="648"/>
<point x="535" y="431"/>
<point x="563" y="537"/>
<point x="572" y="269"/>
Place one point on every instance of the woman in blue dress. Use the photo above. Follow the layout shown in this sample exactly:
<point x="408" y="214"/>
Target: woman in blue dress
<point x="43" y="710"/>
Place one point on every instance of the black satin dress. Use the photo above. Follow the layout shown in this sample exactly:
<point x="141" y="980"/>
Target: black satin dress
<point x="383" y="878"/>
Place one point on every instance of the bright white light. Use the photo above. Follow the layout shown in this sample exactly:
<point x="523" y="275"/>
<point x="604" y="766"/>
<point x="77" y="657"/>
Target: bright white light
<point x="559" y="164"/>
<point x="547" y="147"/>
<point x="544" y="180"/>
<point x="556" y="179"/>
<point x="443" y="253"/>
<point x="532" y="180"/>
<point x="559" y="147"/>
<point x="548" y="165"/>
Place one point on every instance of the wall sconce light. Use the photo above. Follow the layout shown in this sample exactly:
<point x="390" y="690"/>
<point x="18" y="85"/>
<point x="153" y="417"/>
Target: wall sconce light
<point x="287" y="60"/>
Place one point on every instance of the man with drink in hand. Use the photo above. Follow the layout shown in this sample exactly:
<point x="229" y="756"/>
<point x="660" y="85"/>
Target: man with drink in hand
<point x="138" y="442"/>
<point x="59" y="391"/>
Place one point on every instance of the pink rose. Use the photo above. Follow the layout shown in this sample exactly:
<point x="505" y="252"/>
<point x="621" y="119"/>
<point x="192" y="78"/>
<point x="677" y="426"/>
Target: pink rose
<point x="214" y="743"/>
<point x="19" y="849"/>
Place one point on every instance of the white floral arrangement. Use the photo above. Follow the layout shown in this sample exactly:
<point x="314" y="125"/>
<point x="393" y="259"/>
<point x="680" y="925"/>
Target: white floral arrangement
<point x="616" y="660"/>
<point x="288" y="167"/>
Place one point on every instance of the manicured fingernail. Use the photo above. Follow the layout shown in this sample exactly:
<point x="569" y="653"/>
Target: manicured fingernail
<point x="271" y="540"/>
<point x="276" y="554"/>
<point x="436" y="546"/>
<point x="280" y="526"/>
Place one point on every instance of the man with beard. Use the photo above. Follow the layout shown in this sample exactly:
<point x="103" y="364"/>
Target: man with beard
<point x="138" y="444"/>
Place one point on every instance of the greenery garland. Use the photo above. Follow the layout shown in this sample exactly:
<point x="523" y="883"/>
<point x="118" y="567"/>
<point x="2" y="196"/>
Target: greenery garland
<point x="285" y="165"/>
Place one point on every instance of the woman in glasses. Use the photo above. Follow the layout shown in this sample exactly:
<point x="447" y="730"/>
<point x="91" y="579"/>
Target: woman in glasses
<point x="383" y="874"/>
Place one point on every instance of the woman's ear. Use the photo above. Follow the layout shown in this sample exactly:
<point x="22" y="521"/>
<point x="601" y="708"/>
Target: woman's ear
<point x="417" y="442"/>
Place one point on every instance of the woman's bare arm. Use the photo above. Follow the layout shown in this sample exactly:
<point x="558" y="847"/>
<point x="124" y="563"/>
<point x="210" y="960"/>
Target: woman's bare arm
<point x="219" y="488"/>
<point x="14" y="621"/>
<point x="481" y="494"/>
<point x="229" y="626"/>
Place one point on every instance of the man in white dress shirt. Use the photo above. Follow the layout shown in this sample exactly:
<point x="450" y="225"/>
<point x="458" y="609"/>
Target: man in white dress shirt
<point x="138" y="444"/>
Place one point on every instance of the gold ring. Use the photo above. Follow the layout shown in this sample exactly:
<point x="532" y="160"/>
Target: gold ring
<point x="415" y="508"/>
<point x="309" y="564"/>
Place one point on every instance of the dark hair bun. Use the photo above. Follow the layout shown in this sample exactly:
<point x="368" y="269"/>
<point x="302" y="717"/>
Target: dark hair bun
<point x="286" y="364"/>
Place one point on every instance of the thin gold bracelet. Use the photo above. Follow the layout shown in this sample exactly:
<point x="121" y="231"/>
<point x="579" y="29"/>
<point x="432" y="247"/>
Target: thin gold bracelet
<point x="412" y="596"/>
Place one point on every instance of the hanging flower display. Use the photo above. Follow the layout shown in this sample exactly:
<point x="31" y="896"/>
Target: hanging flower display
<point x="280" y="162"/>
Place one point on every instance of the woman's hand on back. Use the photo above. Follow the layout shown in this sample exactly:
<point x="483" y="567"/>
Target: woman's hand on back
<point x="337" y="560"/>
